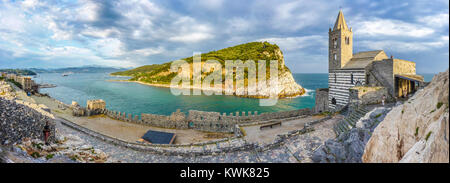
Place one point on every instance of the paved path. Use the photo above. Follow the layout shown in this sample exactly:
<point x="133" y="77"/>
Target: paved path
<point x="296" y="149"/>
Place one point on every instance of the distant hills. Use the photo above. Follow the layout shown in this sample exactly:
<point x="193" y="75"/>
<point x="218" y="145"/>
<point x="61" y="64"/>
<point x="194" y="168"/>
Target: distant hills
<point x="84" y="69"/>
<point x="24" y="72"/>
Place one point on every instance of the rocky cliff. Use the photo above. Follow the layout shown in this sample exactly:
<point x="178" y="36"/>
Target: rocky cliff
<point x="160" y="74"/>
<point x="416" y="131"/>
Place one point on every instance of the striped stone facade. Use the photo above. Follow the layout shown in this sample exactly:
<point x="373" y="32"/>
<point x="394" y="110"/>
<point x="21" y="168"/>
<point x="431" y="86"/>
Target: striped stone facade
<point x="339" y="83"/>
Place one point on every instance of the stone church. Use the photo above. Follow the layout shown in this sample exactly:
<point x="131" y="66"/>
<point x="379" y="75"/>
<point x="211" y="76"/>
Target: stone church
<point x="365" y="76"/>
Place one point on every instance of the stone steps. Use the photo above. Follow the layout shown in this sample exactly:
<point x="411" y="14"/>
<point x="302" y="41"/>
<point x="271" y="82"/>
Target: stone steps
<point x="349" y="121"/>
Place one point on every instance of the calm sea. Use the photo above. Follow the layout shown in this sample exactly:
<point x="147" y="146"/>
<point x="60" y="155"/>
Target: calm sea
<point x="136" y="98"/>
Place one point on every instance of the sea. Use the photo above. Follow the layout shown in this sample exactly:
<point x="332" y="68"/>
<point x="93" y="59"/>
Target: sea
<point x="135" y="98"/>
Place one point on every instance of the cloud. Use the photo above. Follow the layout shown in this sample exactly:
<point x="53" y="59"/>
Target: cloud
<point x="296" y="43"/>
<point x="59" y="30"/>
<point x="99" y="33"/>
<point x="389" y="27"/>
<point x="298" y="15"/>
<point x="138" y="32"/>
<point x="149" y="51"/>
<point x="438" y="20"/>
<point x="405" y="46"/>
<point x="190" y="31"/>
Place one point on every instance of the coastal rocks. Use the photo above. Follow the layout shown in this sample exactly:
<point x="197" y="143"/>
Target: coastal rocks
<point x="417" y="130"/>
<point x="290" y="88"/>
<point x="349" y="146"/>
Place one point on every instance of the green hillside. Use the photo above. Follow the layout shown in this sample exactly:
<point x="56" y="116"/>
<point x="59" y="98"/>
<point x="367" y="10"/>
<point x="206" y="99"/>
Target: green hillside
<point x="24" y="72"/>
<point x="159" y="73"/>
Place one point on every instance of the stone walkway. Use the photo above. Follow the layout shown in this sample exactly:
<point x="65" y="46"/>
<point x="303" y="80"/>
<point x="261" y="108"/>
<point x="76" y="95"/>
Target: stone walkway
<point x="296" y="149"/>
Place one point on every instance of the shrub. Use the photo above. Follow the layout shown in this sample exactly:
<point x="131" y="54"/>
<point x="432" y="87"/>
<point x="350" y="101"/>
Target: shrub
<point x="35" y="155"/>
<point x="49" y="156"/>
<point x="378" y="115"/>
<point x="428" y="136"/>
<point x="439" y="105"/>
<point x="417" y="131"/>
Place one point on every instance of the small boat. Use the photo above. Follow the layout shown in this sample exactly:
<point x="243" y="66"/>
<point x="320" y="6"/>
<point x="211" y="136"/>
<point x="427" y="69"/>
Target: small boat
<point x="66" y="74"/>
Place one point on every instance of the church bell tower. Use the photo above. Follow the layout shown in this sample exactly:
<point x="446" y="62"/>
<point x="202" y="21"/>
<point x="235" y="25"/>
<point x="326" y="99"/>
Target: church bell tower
<point x="340" y="44"/>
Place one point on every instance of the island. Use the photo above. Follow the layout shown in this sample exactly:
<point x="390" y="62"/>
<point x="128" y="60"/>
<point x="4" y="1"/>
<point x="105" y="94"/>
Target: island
<point x="160" y="74"/>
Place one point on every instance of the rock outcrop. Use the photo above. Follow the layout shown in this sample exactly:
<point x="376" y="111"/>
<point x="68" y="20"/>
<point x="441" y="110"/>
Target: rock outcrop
<point x="416" y="131"/>
<point x="19" y="121"/>
<point x="161" y="76"/>
<point x="348" y="147"/>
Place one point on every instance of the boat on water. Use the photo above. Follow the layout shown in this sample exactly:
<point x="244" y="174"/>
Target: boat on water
<point x="66" y="74"/>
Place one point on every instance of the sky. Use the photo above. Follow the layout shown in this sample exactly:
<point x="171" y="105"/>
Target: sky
<point x="130" y="33"/>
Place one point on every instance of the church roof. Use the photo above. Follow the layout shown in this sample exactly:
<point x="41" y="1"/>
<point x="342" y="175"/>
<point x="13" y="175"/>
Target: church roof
<point x="340" y="22"/>
<point x="411" y="77"/>
<point x="362" y="59"/>
<point x="367" y="54"/>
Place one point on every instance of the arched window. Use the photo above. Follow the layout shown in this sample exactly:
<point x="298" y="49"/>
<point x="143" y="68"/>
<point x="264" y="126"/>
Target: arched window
<point x="335" y="43"/>
<point x="335" y="57"/>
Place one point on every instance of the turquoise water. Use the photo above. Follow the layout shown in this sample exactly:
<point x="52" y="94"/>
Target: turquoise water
<point x="136" y="98"/>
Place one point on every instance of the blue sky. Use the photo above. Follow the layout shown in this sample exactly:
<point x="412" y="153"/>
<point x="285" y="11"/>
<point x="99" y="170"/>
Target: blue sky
<point x="129" y="33"/>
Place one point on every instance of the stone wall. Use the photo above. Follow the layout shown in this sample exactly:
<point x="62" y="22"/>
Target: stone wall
<point x="381" y="73"/>
<point x="202" y="120"/>
<point x="369" y="95"/>
<point x="19" y="120"/>
<point x="95" y="104"/>
<point x="404" y="67"/>
<point x="321" y="100"/>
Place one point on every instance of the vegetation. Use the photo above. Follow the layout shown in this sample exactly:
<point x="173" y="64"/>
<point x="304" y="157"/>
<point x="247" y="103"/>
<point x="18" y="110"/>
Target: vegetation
<point x="439" y="105"/>
<point x="417" y="131"/>
<point x="18" y="71"/>
<point x="160" y="73"/>
<point x="428" y="136"/>
<point x="49" y="156"/>
<point x="378" y="115"/>
<point x="35" y="155"/>
<point x="15" y="83"/>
